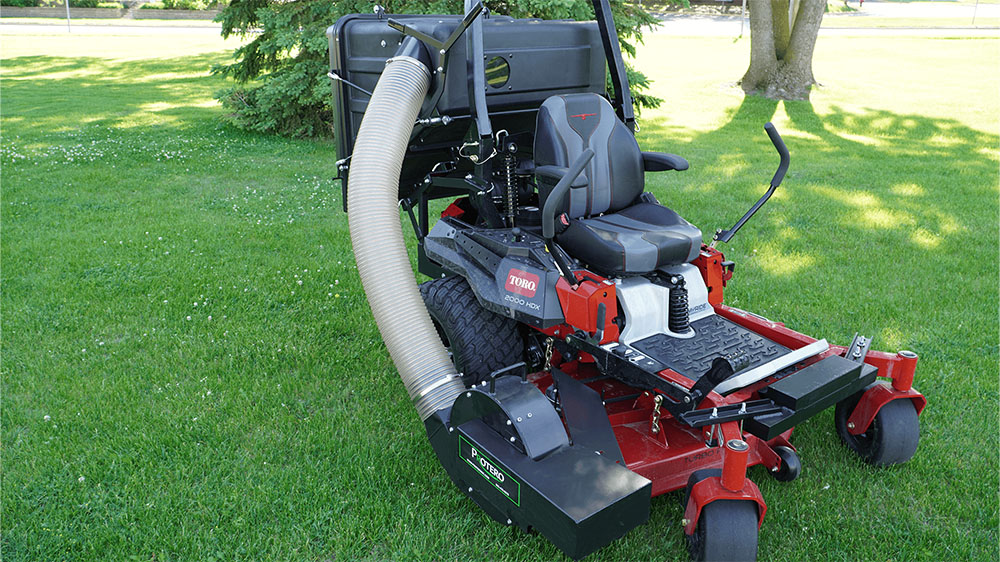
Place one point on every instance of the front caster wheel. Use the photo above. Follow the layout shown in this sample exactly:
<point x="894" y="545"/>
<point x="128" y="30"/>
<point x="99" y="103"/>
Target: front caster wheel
<point x="727" y="530"/>
<point x="892" y="437"/>
<point x="790" y="468"/>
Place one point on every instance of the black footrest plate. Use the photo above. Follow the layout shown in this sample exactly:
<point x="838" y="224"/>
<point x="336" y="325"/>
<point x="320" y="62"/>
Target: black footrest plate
<point x="809" y="391"/>
<point x="714" y="337"/>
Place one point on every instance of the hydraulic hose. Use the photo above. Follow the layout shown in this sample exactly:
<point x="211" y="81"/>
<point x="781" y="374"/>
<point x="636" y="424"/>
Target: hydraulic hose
<point x="377" y="237"/>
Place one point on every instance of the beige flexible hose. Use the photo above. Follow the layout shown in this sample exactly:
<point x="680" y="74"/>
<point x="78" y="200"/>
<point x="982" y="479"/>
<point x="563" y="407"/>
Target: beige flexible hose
<point x="377" y="237"/>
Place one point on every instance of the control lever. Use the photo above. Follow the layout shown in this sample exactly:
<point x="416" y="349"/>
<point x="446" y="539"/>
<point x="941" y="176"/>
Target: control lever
<point x="779" y="145"/>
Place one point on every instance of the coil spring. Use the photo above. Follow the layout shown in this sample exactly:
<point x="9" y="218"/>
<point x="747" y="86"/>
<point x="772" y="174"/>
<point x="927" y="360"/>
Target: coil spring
<point x="678" y="319"/>
<point x="510" y="171"/>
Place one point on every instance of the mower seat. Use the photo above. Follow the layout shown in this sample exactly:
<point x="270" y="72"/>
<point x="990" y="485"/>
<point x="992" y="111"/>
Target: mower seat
<point x="606" y="223"/>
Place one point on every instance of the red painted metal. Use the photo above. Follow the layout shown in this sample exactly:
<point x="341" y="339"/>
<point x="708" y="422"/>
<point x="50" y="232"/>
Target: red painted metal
<point x="666" y="451"/>
<point x="710" y="490"/>
<point x="454" y="210"/>
<point x="902" y="379"/>
<point x="709" y="263"/>
<point x="734" y="464"/>
<point x="580" y="306"/>
<point x="878" y="395"/>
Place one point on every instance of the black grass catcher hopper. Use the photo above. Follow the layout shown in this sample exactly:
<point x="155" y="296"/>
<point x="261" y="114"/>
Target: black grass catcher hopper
<point x="572" y="356"/>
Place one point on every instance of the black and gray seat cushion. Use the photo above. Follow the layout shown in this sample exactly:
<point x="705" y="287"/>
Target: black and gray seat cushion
<point x="614" y="232"/>
<point x="637" y="239"/>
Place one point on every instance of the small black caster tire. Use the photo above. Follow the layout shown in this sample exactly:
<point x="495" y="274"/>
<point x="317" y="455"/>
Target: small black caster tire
<point x="791" y="466"/>
<point x="892" y="437"/>
<point x="727" y="530"/>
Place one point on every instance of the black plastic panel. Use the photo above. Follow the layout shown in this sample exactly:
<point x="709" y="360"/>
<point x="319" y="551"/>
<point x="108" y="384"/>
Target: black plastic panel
<point x="542" y="58"/>
<point x="586" y="417"/>
<point x="809" y="391"/>
<point x="813" y="383"/>
<point x="579" y="500"/>
<point x="714" y="337"/>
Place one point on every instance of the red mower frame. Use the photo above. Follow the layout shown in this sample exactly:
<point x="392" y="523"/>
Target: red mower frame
<point x="667" y="451"/>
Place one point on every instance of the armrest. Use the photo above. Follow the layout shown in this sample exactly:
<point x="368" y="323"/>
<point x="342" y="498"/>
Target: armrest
<point x="556" y="173"/>
<point x="661" y="161"/>
<point x="557" y="193"/>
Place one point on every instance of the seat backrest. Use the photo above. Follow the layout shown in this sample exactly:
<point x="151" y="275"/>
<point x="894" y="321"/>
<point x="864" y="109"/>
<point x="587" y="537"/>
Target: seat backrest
<point x="569" y="124"/>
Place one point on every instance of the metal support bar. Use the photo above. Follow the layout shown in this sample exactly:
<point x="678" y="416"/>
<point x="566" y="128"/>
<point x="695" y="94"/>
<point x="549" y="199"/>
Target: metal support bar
<point x="767" y="369"/>
<point x="612" y="51"/>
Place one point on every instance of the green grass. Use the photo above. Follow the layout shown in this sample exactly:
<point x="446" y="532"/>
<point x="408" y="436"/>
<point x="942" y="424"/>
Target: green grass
<point x="267" y="421"/>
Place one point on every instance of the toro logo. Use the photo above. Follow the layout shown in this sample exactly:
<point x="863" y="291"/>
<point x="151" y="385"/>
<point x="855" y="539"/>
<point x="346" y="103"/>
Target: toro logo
<point x="522" y="283"/>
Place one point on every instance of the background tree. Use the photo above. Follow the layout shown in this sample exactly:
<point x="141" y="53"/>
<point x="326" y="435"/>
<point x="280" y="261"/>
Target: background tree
<point x="782" y="39"/>
<point x="281" y="84"/>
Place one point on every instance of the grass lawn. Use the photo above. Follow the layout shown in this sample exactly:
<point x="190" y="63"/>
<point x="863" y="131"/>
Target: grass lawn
<point x="190" y="370"/>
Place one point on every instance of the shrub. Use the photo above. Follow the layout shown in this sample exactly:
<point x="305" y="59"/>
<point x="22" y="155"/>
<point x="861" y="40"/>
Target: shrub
<point x="185" y="4"/>
<point x="19" y="3"/>
<point x="152" y="6"/>
<point x="111" y="5"/>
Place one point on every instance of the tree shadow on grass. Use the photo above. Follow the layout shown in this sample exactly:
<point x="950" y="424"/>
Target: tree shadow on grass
<point x="59" y="94"/>
<point x="874" y="202"/>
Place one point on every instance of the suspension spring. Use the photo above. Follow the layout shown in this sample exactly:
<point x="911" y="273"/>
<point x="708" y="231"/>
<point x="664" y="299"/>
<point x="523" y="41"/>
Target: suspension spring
<point x="510" y="179"/>
<point x="679" y="319"/>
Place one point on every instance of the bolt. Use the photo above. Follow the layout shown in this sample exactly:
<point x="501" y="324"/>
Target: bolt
<point x="529" y="414"/>
<point x="519" y="419"/>
<point x="468" y="395"/>
<point x="850" y="425"/>
<point x="509" y="521"/>
<point x="512" y="438"/>
<point x="687" y="399"/>
<point x="684" y="522"/>
<point x="509" y="422"/>
<point x="451" y="429"/>
<point x="441" y="51"/>
<point x="470" y="489"/>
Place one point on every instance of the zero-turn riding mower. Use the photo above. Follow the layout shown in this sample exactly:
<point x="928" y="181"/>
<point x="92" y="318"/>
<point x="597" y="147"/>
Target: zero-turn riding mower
<point x="572" y="357"/>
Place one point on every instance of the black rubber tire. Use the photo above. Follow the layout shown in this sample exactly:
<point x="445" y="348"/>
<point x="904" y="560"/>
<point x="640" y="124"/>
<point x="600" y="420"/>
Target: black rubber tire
<point x="694" y="478"/>
<point x="480" y="341"/>
<point x="892" y="437"/>
<point x="791" y="466"/>
<point x="727" y="530"/>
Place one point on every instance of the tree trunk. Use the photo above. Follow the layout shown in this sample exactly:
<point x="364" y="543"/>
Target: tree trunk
<point x="781" y="54"/>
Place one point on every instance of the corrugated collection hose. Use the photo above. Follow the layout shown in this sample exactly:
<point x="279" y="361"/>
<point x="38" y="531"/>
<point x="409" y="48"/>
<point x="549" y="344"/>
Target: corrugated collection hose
<point x="377" y="238"/>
